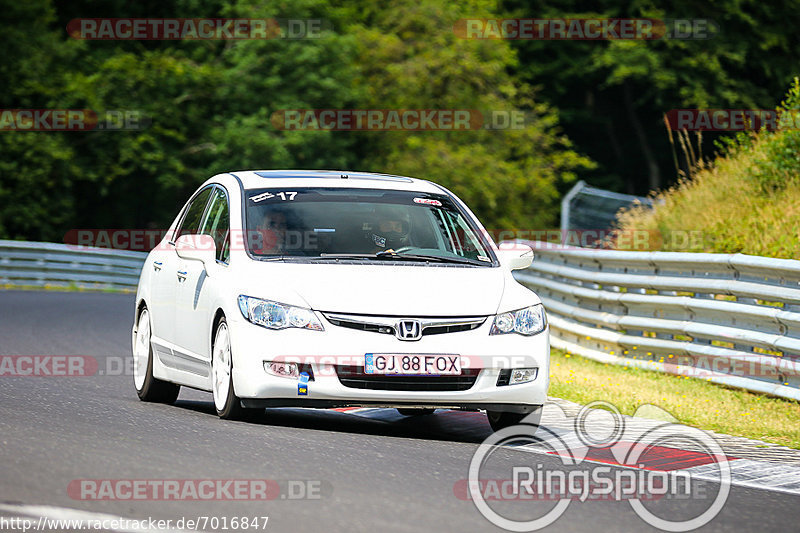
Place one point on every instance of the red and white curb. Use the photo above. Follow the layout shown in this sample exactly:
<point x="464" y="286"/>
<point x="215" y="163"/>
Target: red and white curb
<point x="753" y="464"/>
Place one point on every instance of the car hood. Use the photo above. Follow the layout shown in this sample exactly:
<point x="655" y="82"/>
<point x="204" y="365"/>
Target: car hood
<point x="381" y="289"/>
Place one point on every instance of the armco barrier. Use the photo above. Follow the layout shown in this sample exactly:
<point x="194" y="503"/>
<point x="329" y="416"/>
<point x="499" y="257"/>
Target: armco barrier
<point x="732" y="319"/>
<point x="62" y="265"/>
<point x="729" y="318"/>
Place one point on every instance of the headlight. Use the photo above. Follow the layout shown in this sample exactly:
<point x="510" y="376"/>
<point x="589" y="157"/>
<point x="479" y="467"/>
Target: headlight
<point x="528" y="321"/>
<point x="274" y="315"/>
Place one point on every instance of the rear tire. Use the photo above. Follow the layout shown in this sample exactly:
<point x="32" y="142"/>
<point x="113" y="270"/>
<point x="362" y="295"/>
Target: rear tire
<point x="227" y="404"/>
<point x="503" y="419"/>
<point x="410" y="411"/>
<point x="149" y="388"/>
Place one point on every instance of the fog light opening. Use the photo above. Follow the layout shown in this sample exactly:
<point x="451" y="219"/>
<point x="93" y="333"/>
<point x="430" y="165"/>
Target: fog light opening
<point x="522" y="375"/>
<point x="282" y="369"/>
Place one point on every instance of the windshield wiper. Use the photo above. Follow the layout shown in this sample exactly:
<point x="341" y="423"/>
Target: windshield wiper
<point x="394" y="256"/>
<point x="380" y="255"/>
<point x="437" y="258"/>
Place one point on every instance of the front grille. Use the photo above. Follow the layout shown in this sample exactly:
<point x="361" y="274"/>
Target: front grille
<point x="388" y="325"/>
<point x="437" y="330"/>
<point x="361" y="326"/>
<point x="355" y="378"/>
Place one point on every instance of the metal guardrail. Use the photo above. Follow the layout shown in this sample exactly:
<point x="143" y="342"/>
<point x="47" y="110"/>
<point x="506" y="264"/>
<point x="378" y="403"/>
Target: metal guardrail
<point x="40" y="264"/>
<point x="732" y="319"/>
<point x="585" y="207"/>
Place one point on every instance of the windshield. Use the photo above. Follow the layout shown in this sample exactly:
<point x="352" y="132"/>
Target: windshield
<point x="363" y="223"/>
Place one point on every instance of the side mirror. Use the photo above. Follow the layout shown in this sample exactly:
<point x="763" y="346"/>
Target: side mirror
<point x="198" y="248"/>
<point x="515" y="255"/>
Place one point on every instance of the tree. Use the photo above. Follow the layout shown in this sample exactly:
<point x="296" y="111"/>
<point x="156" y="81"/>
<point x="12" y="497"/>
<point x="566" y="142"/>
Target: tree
<point x="612" y="94"/>
<point x="410" y="58"/>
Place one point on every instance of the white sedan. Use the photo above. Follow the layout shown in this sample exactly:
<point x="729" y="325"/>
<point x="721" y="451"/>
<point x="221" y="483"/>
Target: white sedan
<point x="330" y="289"/>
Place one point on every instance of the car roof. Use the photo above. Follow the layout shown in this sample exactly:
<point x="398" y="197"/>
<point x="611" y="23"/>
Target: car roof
<point x="258" y="179"/>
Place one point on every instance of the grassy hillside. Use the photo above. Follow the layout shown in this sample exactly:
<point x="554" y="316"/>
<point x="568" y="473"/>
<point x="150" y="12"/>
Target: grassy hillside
<point x="747" y="200"/>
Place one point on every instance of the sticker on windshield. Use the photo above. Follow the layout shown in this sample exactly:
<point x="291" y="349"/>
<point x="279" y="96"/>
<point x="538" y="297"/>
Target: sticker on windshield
<point x="428" y="201"/>
<point x="288" y="195"/>
<point x="379" y="241"/>
<point x="484" y="258"/>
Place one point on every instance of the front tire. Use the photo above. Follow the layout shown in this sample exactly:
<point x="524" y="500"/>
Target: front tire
<point x="149" y="388"/>
<point x="503" y="419"/>
<point x="227" y="404"/>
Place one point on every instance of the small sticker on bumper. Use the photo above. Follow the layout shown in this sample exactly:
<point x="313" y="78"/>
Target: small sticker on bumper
<point x="302" y="385"/>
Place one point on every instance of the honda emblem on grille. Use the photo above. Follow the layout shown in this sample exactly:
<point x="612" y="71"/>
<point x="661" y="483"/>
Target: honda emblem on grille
<point x="408" y="330"/>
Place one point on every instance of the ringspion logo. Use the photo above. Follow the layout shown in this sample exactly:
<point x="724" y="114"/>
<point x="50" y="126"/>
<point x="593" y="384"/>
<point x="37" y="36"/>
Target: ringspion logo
<point x="647" y="466"/>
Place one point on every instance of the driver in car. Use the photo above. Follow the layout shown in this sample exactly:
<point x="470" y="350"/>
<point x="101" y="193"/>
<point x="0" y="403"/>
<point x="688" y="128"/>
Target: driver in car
<point x="270" y="238"/>
<point x="391" y="231"/>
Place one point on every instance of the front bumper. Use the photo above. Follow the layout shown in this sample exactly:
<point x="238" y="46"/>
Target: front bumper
<point x="252" y="345"/>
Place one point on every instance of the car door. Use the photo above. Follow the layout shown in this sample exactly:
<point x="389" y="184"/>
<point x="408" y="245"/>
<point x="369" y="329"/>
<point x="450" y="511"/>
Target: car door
<point x="163" y="262"/>
<point x="195" y="291"/>
<point x="170" y="279"/>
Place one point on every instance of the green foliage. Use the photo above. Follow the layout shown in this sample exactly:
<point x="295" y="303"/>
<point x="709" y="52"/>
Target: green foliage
<point x="409" y="59"/>
<point x="780" y="163"/>
<point x="748" y="201"/>
<point x="602" y="87"/>
<point x="210" y="103"/>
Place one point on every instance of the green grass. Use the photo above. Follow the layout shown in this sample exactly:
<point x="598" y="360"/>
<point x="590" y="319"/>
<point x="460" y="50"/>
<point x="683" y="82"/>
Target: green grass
<point x="693" y="402"/>
<point x="746" y="201"/>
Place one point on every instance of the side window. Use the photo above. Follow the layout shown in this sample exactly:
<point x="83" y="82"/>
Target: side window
<point x="461" y="239"/>
<point x="191" y="221"/>
<point x="217" y="224"/>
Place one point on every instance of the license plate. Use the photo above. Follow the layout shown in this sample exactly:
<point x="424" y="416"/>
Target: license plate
<point x="382" y="363"/>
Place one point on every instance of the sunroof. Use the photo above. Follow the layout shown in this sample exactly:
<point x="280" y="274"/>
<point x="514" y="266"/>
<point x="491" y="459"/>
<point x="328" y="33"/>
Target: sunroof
<point x="333" y="175"/>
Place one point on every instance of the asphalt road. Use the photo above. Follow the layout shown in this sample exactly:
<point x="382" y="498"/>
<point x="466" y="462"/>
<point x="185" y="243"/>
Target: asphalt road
<point x="372" y="475"/>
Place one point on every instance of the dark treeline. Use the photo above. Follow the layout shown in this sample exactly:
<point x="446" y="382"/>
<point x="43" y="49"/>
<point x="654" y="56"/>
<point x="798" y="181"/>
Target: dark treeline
<point x="594" y="108"/>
